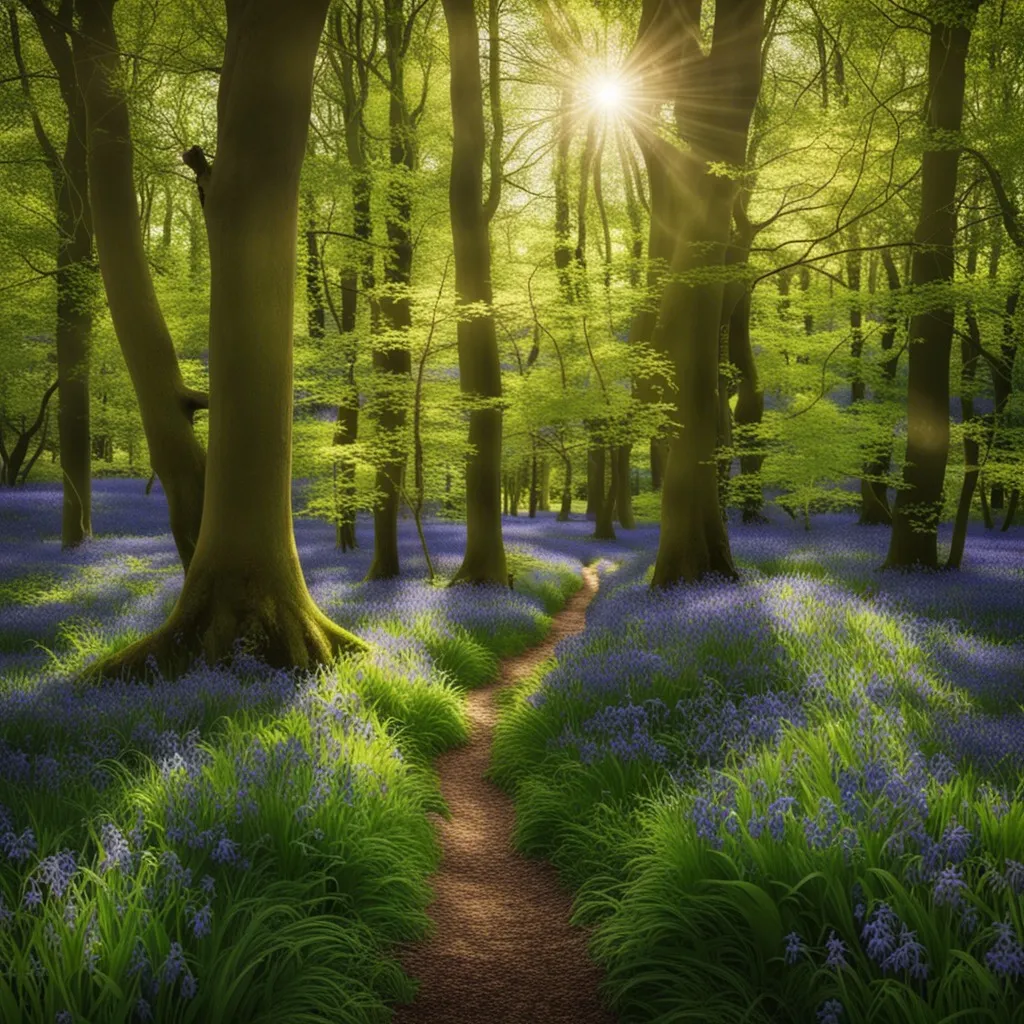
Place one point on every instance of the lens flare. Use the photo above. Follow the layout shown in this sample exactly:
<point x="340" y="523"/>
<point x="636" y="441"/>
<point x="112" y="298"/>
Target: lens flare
<point x="608" y="93"/>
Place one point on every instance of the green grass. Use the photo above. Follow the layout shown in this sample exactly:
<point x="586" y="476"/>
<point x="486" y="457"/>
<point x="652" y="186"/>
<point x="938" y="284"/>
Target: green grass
<point x="688" y="932"/>
<point x="308" y="929"/>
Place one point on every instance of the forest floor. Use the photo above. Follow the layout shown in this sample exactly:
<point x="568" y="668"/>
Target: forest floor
<point x="502" y="946"/>
<point x="795" y="798"/>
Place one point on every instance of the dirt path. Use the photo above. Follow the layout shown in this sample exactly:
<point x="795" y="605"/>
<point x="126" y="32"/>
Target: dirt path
<point x="502" y="951"/>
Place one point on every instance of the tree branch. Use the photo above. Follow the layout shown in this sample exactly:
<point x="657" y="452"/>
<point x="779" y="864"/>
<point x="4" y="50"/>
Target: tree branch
<point x="497" y="121"/>
<point x="1011" y="215"/>
<point x="195" y="160"/>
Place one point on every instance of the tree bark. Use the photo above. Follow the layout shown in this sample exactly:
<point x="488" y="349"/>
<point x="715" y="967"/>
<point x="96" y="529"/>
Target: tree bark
<point x="874" y="489"/>
<point x="969" y="366"/>
<point x="970" y="352"/>
<point x="914" y="540"/>
<point x="596" y="462"/>
<point x="623" y="493"/>
<point x="604" y="526"/>
<point x="479" y="363"/>
<point x="565" y="510"/>
<point x="665" y="215"/>
<point x="316" y="315"/>
<point x="749" y="409"/>
<point x="392" y="361"/>
<point x="563" y="247"/>
<point x="167" y="406"/>
<point x="75" y="268"/>
<point x="351" y="63"/>
<point x="544" y="486"/>
<point x="693" y="541"/>
<point x="245" y="582"/>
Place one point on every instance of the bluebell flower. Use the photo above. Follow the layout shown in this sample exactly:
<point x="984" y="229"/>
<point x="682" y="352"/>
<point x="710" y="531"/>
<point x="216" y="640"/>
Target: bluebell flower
<point x="836" y="952"/>
<point x="173" y="965"/>
<point x="907" y="956"/>
<point x="949" y="888"/>
<point x="830" y="1012"/>
<point x="202" y="920"/>
<point x="879" y="932"/>
<point x="1005" y="957"/>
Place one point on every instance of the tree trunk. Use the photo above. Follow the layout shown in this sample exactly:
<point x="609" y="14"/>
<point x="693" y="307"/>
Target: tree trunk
<point x="167" y="406"/>
<point x="75" y="270"/>
<point x="970" y="352"/>
<point x="168" y="225"/>
<point x="604" y="528"/>
<point x="749" y="409"/>
<point x="479" y="363"/>
<point x="624" y="494"/>
<point x="245" y="582"/>
<point x="14" y="460"/>
<point x="350" y="63"/>
<point x="914" y="541"/>
<point x="666" y="211"/>
<point x="595" y="479"/>
<point x="566" y="507"/>
<point x="392" y="361"/>
<point x="533" y="484"/>
<point x="544" y="487"/>
<point x="1011" y="509"/>
<point x="694" y="542"/>
<point x="316" y="319"/>
<point x="563" y="247"/>
<point x="74" y="329"/>
<point x="1001" y="368"/>
<point x="969" y="365"/>
<point x="854" y="265"/>
<point x="874" y="489"/>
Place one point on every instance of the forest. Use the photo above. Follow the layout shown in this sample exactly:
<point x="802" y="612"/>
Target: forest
<point x="509" y="511"/>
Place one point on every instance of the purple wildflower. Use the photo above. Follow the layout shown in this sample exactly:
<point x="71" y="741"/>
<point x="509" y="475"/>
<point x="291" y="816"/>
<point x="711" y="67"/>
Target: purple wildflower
<point x="1006" y="957"/>
<point x="949" y="888"/>
<point x="173" y="965"/>
<point x="830" y="1011"/>
<point x="836" y="952"/>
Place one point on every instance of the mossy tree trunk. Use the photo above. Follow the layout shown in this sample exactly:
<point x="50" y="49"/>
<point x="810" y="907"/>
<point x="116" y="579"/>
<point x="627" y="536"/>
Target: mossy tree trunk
<point x="665" y="216"/>
<point x="914" y="540"/>
<point x="166" y="404"/>
<point x="479" y="364"/>
<point x="694" y="542"/>
<point x="245" y="582"/>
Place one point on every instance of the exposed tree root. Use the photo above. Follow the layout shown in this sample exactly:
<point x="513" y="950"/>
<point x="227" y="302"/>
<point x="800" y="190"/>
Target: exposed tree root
<point x="284" y="632"/>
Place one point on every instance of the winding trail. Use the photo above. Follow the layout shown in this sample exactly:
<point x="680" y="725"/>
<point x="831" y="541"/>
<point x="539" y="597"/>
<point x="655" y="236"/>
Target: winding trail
<point x="502" y="951"/>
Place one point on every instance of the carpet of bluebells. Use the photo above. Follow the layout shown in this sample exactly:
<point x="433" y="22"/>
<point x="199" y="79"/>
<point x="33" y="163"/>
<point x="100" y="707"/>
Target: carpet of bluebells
<point x="797" y="798"/>
<point x="239" y="844"/>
